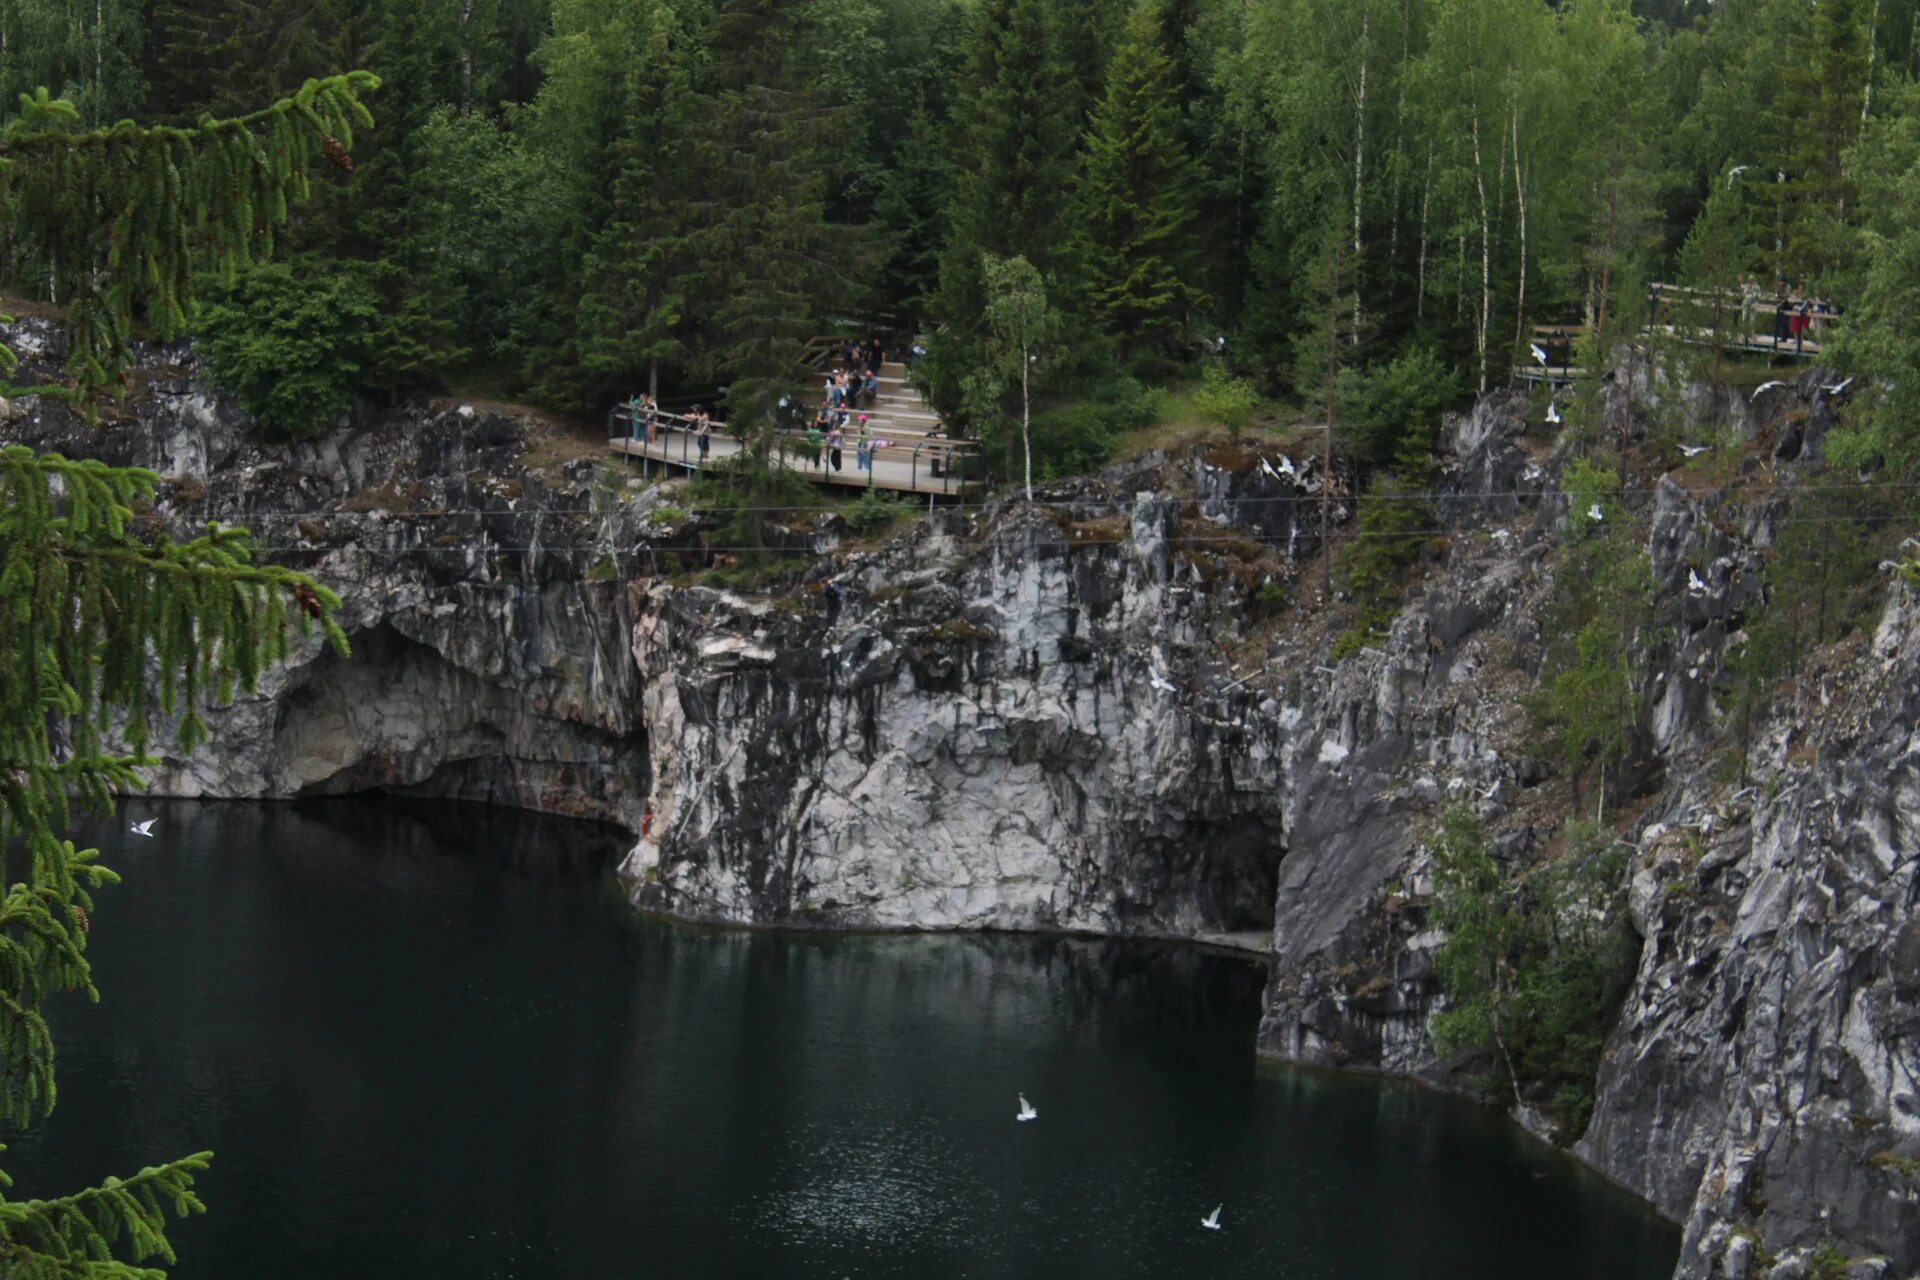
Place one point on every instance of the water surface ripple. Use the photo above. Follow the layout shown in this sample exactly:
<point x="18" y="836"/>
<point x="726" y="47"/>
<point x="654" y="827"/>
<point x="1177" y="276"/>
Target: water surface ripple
<point x="431" y="1041"/>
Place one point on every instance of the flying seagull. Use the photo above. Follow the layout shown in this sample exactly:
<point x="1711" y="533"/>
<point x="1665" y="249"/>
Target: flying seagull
<point x="1539" y="352"/>
<point x="1026" y="1110"/>
<point x="1765" y="387"/>
<point x="1595" y="513"/>
<point x="1695" y="585"/>
<point x="1212" y="1221"/>
<point x="1161" y="683"/>
<point x="1694" y="450"/>
<point x="144" y="828"/>
<point x="1736" y="171"/>
<point x="1838" y="387"/>
<point x="1553" y="414"/>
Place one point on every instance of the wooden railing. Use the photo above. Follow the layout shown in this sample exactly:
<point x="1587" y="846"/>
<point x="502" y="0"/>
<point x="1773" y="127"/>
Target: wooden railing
<point x="933" y="465"/>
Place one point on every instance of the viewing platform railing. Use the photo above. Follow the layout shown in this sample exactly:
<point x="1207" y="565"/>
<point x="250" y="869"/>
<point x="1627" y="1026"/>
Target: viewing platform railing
<point x="925" y="464"/>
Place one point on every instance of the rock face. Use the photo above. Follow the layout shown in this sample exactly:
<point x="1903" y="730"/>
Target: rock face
<point x="486" y="604"/>
<point x="984" y="735"/>
<point x="1115" y="711"/>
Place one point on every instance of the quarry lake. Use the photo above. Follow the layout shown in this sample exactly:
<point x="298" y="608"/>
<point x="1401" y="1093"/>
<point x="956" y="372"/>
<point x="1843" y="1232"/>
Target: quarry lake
<point x="431" y="1041"/>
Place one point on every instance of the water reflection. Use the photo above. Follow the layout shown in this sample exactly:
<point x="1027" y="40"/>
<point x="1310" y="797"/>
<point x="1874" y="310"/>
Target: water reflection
<point x="433" y="1042"/>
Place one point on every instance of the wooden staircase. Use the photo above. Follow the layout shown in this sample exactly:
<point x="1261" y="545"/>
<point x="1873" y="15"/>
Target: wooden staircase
<point x="899" y="412"/>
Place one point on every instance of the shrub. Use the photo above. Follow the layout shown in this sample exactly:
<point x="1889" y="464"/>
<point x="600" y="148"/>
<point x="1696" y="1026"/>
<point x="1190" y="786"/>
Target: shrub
<point x="290" y="344"/>
<point x="1533" y="967"/>
<point x="1082" y="436"/>
<point x="873" y="512"/>
<point x="1225" y="399"/>
<point x="1382" y="406"/>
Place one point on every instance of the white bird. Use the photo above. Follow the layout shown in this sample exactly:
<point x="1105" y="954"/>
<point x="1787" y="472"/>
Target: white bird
<point x="144" y="828"/>
<point x="1735" y="172"/>
<point x="1695" y="585"/>
<point x="1838" y="387"/>
<point x="1694" y="450"/>
<point x="1161" y="683"/>
<point x="1287" y="468"/>
<point x="1595" y="513"/>
<point x="1539" y="352"/>
<point x="1765" y="387"/>
<point x="1026" y="1110"/>
<point x="1212" y="1221"/>
<point x="1553" y="414"/>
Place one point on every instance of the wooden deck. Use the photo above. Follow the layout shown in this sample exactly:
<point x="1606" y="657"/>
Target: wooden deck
<point x="906" y="466"/>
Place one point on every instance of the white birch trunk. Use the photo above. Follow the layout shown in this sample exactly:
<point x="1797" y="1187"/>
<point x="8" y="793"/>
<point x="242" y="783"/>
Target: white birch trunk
<point x="1873" y="49"/>
<point x="1486" y="253"/>
<point x="1520" y="200"/>
<point x="1426" y="197"/>
<point x="466" y="56"/>
<point x="1026" y="418"/>
<point x="1359" y="158"/>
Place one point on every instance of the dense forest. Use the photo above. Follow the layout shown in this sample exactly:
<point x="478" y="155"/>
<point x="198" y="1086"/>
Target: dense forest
<point x="568" y="200"/>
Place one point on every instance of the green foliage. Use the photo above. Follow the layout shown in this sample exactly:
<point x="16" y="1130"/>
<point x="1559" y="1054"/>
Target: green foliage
<point x="1829" y="1263"/>
<point x="1137" y="199"/>
<point x="1603" y="591"/>
<point x="874" y="512"/>
<point x="1083" y="435"/>
<point x="1018" y="324"/>
<point x="289" y="344"/>
<point x="86" y="54"/>
<point x="1389" y="407"/>
<point x="1880" y="342"/>
<point x="1715" y="260"/>
<point x="126" y="218"/>
<point x="1225" y="399"/>
<point x="743" y="499"/>
<point x="1533" y="966"/>
<point x="1822" y="584"/>
<point x="1820" y="112"/>
<point x="101" y="628"/>
<point x="1012" y="154"/>
<point x="1395" y="522"/>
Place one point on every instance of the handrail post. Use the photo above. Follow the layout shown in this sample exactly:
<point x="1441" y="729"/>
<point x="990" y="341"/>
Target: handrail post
<point x="913" y="472"/>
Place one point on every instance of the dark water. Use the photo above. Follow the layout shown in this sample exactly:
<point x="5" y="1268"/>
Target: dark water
<point x="430" y="1043"/>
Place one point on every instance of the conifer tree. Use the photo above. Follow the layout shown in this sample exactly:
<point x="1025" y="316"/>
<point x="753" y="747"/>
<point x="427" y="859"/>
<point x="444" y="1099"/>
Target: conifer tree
<point x="771" y="265"/>
<point x="388" y="226"/>
<point x="88" y="54"/>
<point x="635" y="276"/>
<point x="121" y="220"/>
<point x="1823" y="86"/>
<point x="101" y="628"/>
<point x="1137" y="197"/>
<point x="1013" y="145"/>
<point x="223" y="56"/>
<point x="1714" y="260"/>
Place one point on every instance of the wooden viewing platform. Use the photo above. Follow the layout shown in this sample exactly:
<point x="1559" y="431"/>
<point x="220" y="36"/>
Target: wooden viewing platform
<point x="916" y="457"/>
<point x="936" y="467"/>
<point x="1740" y="313"/>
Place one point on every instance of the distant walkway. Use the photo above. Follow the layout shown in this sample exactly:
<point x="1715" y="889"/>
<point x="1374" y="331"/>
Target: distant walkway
<point x="908" y="464"/>
<point x="909" y="450"/>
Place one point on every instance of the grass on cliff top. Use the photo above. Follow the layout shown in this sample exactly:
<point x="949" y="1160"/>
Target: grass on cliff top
<point x="1181" y="421"/>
